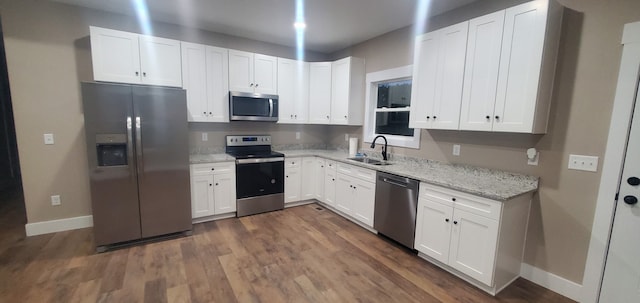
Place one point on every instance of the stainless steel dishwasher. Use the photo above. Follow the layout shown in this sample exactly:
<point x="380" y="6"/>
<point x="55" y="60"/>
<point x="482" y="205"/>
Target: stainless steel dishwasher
<point x="396" y="207"/>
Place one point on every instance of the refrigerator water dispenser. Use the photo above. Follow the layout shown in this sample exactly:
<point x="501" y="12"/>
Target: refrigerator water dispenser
<point x="111" y="149"/>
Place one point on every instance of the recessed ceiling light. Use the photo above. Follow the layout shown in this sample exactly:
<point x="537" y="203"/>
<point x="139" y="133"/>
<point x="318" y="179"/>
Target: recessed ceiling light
<point x="299" y="25"/>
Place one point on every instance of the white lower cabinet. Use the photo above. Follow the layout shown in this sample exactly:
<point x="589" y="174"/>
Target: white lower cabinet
<point x="318" y="178"/>
<point x="292" y="179"/>
<point x="355" y="193"/>
<point x="308" y="181"/>
<point x="330" y="183"/>
<point x="213" y="189"/>
<point x="478" y="239"/>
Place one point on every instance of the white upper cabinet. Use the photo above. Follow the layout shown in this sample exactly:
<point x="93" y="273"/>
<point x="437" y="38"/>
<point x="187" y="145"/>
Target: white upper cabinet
<point x="527" y="67"/>
<point x="481" y="72"/>
<point x="252" y="73"/>
<point x="347" y="91"/>
<point x="320" y="92"/>
<point x="438" y="77"/>
<point x="293" y="91"/>
<point x="205" y="77"/>
<point x="510" y="68"/>
<point x="131" y="58"/>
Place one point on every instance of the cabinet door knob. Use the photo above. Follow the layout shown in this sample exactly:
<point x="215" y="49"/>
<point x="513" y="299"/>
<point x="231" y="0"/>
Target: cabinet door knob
<point x="291" y="116"/>
<point x="144" y="74"/>
<point x="137" y="73"/>
<point x="286" y="176"/>
<point x="633" y="181"/>
<point x="213" y="168"/>
<point x="332" y="179"/>
<point x="327" y="117"/>
<point x="216" y="184"/>
<point x="251" y="84"/>
<point x="434" y="117"/>
<point x="428" y="117"/>
<point x="497" y="117"/>
<point x="455" y="222"/>
<point x="446" y="220"/>
<point x="295" y="116"/>
<point x="204" y="113"/>
<point x="345" y="117"/>
<point x="209" y="113"/>
<point x="256" y="84"/>
<point x="630" y="200"/>
<point x="210" y="184"/>
<point x="488" y="117"/>
<point x="453" y="199"/>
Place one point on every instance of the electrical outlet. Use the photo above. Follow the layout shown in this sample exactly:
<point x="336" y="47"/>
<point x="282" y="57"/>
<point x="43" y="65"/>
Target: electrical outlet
<point x="48" y="139"/>
<point x="534" y="162"/>
<point x="587" y="163"/>
<point x="205" y="137"/>
<point x="456" y="150"/>
<point x="297" y="135"/>
<point x="346" y="137"/>
<point x="55" y="200"/>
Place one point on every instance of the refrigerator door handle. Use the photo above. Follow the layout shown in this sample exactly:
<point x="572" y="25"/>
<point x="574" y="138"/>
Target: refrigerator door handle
<point x="130" y="149"/>
<point x="139" y="148"/>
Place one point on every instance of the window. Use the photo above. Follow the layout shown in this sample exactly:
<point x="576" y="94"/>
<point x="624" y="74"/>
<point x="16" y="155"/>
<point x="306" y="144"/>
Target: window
<point x="388" y="99"/>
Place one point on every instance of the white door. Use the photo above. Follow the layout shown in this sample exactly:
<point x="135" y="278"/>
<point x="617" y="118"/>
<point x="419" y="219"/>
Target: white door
<point x="265" y="74"/>
<point x="481" y="71"/>
<point x="202" y="196"/>
<point x="621" y="282"/>
<point x="330" y="186"/>
<point x="340" y="86"/>
<point x="433" y="229"/>
<point x="287" y="90"/>
<point x="240" y="71"/>
<point x="218" y="84"/>
<point x="425" y="71"/>
<point x="224" y="188"/>
<point x="160" y="61"/>
<point x="453" y="48"/>
<point x="320" y="92"/>
<point x="115" y="55"/>
<point x="344" y="194"/>
<point x="194" y="80"/>
<point x="520" y="60"/>
<point x="364" y="201"/>
<point x="473" y="245"/>
<point x="292" y="179"/>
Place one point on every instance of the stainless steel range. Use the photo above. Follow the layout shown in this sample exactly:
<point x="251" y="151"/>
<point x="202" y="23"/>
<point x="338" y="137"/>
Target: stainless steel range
<point x="259" y="174"/>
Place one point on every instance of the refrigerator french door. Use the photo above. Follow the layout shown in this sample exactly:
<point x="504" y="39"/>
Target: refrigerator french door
<point x="137" y="146"/>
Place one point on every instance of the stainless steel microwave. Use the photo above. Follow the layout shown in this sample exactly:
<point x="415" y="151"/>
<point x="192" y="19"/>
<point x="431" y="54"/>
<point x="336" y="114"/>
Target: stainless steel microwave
<point x="252" y="107"/>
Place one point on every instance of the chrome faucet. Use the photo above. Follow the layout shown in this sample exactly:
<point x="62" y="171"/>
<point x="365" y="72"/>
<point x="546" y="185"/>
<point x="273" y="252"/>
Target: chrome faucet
<point x="384" y="148"/>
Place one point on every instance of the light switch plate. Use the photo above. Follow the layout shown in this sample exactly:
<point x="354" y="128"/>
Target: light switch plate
<point x="297" y="135"/>
<point x="456" y="150"/>
<point x="586" y="163"/>
<point x="205" y="137"/>
<point x="48" y="139"/>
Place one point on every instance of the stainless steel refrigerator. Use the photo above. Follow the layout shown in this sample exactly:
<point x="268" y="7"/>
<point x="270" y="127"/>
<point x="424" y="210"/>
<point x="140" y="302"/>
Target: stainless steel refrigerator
<point x="137" y="147"/>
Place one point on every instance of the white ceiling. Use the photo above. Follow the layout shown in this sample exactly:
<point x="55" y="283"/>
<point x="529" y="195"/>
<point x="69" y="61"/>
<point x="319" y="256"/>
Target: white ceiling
<point x="331" y="24"/>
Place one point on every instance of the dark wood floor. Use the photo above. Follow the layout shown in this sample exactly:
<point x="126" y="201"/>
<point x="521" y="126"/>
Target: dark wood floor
<point x="301" y="254"/>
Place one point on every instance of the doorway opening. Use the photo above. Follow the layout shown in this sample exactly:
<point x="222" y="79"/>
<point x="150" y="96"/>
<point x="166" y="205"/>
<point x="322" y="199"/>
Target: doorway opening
<point x="12" y="208"/>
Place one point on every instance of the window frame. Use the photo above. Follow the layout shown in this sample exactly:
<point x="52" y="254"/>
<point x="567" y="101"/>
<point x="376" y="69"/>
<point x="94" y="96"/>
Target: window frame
<point x="371" y="101"/>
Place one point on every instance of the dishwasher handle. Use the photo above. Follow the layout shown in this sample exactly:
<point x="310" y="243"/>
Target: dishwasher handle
<point x="398" y="181"/>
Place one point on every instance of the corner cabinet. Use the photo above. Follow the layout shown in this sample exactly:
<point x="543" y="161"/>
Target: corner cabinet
<point x="205" y="76"/>
<point x="438" y="72"/>
<point x="136" y="59"/>
<point x="347" y="91"/>
<point x="213" y="190"/>
<point x="252" y="73"/>
<point x="320" y="92"/>
<point x="477" y="239"/>
<point x="293" y="91"/>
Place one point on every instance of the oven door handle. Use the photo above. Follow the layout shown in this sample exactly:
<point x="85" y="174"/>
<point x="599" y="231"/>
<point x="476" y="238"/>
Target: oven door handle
<point x="259" y="160"/>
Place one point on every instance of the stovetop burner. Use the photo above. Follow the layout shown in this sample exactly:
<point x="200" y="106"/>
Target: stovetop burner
<point x="247" y="147"/>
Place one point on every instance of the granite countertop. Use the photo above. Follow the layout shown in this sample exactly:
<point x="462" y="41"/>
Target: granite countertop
<point x="488" y="183"/>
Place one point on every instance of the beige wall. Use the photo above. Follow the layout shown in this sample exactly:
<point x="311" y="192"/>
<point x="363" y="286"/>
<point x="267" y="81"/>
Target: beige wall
<point x="48" y="54"/>
<point x="589" y="58"/>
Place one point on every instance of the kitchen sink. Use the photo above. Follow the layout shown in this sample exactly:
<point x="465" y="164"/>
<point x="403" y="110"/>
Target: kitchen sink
<point x="370" y="161"/>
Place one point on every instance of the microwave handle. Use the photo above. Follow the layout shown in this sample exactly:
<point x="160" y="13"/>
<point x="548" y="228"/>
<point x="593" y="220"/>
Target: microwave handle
<point x="270" y="107"/>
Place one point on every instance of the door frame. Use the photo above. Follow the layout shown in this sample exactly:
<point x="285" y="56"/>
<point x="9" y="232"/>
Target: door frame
<point x="628" y="78"/>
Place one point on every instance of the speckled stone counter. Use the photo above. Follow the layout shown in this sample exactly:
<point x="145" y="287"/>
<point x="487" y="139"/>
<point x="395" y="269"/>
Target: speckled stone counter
<point x="492" y="184"/>
<point x="209" y="158"/>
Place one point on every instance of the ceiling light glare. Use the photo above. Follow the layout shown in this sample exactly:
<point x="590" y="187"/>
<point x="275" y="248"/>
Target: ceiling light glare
<point x="299" y="25"/>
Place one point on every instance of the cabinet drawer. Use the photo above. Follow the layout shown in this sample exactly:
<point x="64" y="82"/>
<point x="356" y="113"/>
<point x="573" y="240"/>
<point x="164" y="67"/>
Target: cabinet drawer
<point x="215" y="168"/>
<point x="463" y="201"/>
<point x="292" y="162"/>
<point x="365" y="174"/>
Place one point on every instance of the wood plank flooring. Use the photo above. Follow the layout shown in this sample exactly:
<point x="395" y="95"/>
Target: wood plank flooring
<point x="301" y="254"/>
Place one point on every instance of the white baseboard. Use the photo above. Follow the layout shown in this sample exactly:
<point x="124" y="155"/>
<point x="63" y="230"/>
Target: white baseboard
<point x="47" y="227"/>
<point x="553" y="282"/>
